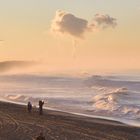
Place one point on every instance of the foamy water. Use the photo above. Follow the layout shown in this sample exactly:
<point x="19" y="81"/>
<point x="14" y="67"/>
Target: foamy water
<point x="106" y="96"/>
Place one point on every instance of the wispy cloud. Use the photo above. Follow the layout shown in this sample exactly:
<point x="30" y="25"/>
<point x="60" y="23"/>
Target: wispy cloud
<point x="105" y="21"/>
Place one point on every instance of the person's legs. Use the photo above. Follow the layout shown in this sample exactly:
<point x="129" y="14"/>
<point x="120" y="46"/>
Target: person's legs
<point x="30" y="110"/>
<point x="40" y="110"/>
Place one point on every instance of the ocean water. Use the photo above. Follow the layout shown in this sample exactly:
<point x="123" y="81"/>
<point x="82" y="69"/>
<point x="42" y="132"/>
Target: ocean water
<point x="112" y="96"/>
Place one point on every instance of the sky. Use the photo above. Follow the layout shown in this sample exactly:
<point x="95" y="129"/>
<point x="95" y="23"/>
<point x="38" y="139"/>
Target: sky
<point x="26" y="35"/>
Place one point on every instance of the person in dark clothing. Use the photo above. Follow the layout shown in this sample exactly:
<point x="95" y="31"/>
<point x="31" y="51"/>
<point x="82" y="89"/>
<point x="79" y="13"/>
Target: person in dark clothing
<point x="40" y="137"/>
<point x="29" y="107"/>
<point x="41" y="103"/>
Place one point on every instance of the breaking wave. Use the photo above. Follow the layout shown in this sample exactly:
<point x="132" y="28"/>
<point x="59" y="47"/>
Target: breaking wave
<point x="120" y="102"/>
<point x="110" y="96"/>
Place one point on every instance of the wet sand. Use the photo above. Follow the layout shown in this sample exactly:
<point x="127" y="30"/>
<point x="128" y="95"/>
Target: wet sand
<point x="17" y="124"/>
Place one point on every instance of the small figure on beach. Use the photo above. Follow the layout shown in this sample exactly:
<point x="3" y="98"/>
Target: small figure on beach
<point x="41" y="103"/>
<point x="29" y="107"/>
<point x="40" y="137"/>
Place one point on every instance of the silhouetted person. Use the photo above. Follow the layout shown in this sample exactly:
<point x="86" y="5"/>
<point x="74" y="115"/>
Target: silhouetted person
<point x="29" y="107"/>
<point x="41" y="103"/>
<point x="40" y="137"/>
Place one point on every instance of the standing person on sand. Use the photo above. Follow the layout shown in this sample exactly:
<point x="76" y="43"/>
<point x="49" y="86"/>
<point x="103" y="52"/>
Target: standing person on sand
<point x="29" y="107"/>
<point x="41" y="103"/>
<point x="40" y="137"/>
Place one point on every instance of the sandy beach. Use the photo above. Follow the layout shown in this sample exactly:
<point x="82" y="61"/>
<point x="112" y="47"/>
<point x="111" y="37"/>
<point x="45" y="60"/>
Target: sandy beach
<point x="17" y="124"/>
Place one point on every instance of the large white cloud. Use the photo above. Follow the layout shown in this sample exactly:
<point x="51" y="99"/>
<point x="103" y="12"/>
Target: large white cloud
<point x="67" y="23"/>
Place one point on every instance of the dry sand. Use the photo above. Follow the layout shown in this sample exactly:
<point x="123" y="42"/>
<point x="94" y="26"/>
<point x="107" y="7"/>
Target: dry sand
<point x="17" y="124"/>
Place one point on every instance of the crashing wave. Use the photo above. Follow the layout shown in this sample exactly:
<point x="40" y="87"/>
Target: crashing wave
<point x="117" y="102"/>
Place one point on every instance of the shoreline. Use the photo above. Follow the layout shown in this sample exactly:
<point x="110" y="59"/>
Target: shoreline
<point x="17" y="123"/>
<point x="132" y="123"/>
<point x="70" y="114"/>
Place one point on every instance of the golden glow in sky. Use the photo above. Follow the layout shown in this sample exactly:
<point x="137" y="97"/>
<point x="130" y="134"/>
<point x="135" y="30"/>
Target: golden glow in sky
<point x="89" y="35"/>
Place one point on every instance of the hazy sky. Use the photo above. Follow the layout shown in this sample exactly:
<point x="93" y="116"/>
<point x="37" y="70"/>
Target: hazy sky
<point x="25" y="30"/>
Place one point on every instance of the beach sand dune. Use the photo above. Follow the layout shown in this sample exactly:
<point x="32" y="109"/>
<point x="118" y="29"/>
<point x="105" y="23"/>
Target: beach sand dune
<point x="17" y="124"/>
